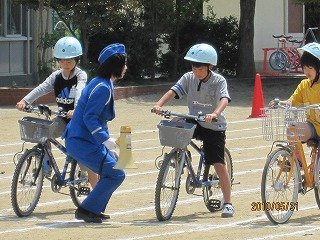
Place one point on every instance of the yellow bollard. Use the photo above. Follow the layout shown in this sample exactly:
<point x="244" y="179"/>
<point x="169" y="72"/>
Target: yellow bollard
<point x="125" y="156"/>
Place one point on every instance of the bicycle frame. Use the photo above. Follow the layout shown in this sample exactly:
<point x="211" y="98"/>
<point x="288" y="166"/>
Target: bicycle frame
<point x="298" y="156"/>
<point x="198" y="183"/>
<point x="48" y="155"/>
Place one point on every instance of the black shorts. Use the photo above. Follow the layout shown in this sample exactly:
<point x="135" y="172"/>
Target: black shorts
<point x="213" y="144"/>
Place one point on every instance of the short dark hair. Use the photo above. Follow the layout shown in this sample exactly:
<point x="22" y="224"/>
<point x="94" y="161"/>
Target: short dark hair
<point x="112" y="66"/>
<point x="77" y="59"/>
<point x="307" y="59"/>
<point x="199" y="64"/>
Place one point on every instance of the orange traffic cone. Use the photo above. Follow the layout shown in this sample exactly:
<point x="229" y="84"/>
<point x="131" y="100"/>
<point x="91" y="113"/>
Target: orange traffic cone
<point x="258" y="99"/>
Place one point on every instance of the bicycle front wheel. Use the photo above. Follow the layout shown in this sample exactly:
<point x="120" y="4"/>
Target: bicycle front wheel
<point x="278" y="60"/>
<point x="27" y="182"/>
<point x="168" y="185"/>
<point x="317" y="182"/>
<point x="212" y="195"/>
<point x="278" y="187"/>
<point x="79" y="184"/>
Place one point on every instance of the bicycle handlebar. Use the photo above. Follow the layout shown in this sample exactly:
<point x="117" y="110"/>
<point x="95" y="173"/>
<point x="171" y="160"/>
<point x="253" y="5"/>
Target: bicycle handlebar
<point x="277" y="104"/>
<point x="167" y="114"/>
<point x="45" y="110"/>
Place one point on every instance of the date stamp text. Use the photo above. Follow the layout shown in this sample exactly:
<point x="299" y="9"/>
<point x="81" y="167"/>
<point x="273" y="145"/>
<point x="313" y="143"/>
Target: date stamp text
<point x="274" y="206"/>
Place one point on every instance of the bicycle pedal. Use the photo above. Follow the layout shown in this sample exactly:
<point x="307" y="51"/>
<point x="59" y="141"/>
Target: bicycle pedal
<point x="215" y="204"/>
<point x="84" y="190"/>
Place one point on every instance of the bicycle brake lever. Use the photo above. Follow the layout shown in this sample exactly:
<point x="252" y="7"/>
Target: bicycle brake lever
<point x="166" y="114"/>
<point x="28" y="108"/>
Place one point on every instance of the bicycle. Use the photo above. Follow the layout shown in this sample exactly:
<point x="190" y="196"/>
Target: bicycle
<point x="279" y="59"/>
<point x="288" y="58"/>
<point x="35" y="164"/>
<point x="287" y="172"/>
<point x="177" y="133"/>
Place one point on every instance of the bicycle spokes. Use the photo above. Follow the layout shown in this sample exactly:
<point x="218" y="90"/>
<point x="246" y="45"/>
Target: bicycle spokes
<point x="27" y="183"/>
<point x="280" y="183"/>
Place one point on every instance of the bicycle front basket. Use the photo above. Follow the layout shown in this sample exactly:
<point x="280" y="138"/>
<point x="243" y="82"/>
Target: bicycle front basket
<point x="273" y="126"/>
<point x="275" y="123"/>
<point x="36" y="130"/>
<point x="175" y="134"/>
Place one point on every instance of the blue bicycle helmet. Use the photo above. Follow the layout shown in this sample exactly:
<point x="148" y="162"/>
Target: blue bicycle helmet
<point x="312" y="48"/>
<point x="202" y="53"/>
<point x="108" y="51"/>
<point x="67" y="48"/>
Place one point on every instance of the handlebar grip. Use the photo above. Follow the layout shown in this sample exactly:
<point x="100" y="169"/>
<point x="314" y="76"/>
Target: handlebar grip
<point x="28" y="108"/>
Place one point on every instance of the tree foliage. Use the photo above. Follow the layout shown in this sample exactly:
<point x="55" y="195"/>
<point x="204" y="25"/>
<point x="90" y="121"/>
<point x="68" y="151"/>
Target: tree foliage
<point x="143" y="26"/>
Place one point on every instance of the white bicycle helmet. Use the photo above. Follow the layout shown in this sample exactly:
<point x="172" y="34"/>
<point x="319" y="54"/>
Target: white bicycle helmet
<point x="202" y="53"/>
<point x="67" y="47"/>
<point x="312" y="48"/>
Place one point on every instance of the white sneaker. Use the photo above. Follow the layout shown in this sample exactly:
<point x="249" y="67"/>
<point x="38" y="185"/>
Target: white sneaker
<point x="227" y="210"/>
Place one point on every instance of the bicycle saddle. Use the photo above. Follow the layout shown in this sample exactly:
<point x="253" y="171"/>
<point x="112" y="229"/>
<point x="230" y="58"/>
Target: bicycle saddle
<point x="295" y="41"/>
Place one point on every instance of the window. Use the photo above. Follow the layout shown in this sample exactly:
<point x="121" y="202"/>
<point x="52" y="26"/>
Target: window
<point x="1" y="18"/>
<point x="294" y="17"/>
<point x="14" y="23"/>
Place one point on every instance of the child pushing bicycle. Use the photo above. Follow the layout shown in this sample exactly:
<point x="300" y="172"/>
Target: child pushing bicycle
<point x="307" y="92"/>
<point x="206" y="92"/>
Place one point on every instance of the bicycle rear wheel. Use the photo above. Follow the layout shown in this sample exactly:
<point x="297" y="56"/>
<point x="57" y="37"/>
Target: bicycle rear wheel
<point x="80" y="186"/>
<point x="278" y="60"/>
<point x="168" y="185"/>
<point x="212" y="195"/>
<point x="277" y="187"/>
<point x="27" y="182"/>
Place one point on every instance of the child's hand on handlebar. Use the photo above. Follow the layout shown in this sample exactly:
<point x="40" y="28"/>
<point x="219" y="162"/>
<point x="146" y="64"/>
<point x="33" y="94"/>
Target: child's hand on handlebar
<point x="156" y="109"/>
<point x="21" y="105"/>
<point x="276" y="103"/>
<point x="69" y="114"/>
<point x="212" y="117"/>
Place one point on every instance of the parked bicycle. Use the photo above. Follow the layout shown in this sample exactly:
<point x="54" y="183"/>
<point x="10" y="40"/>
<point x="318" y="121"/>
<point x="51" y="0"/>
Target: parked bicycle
<point x="177" y="133"/>
<point x="287" y="171"/>
<point x="35" y="164"/>
<point x="287" y="57"/>
<point x="279" y="59"/>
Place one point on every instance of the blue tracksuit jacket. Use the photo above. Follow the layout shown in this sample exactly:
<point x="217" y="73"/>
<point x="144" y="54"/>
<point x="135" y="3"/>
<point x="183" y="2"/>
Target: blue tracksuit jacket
<point x="84" y="137"/>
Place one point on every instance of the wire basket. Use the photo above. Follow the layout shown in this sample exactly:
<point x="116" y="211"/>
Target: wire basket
<point x="176" y="134"/>
<point x="282" y="124"/>
<point x="36" y="130"/>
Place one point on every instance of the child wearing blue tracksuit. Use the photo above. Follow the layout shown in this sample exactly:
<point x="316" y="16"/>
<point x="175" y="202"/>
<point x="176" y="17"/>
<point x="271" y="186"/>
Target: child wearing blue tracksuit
<point x="87" y="136"/>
